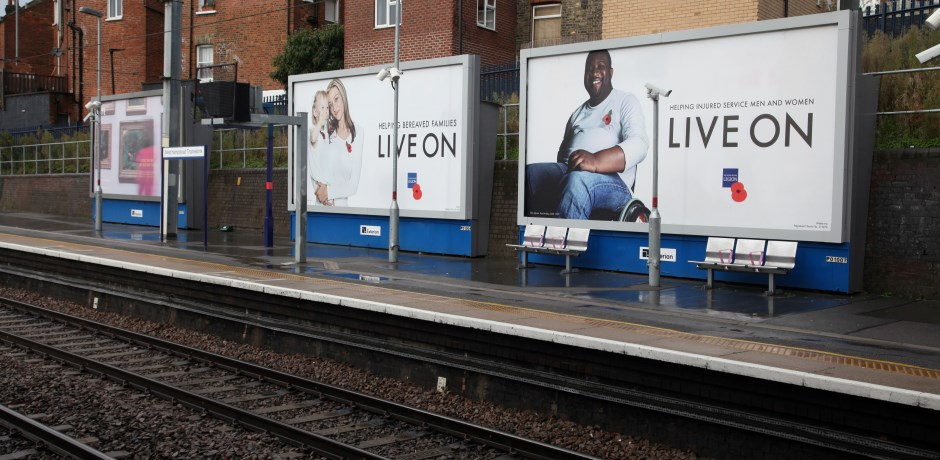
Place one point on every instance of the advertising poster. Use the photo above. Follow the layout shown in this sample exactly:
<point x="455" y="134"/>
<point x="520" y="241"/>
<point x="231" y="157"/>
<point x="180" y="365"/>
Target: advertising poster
<point x="129" y="147"/>
<point x="350" y="126"/>
<point x="749" y="137"/>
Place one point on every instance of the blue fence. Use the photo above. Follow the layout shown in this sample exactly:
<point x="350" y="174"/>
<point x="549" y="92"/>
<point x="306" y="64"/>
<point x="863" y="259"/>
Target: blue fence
<point x="895" y="17"/>
<point x="499" y="81"/>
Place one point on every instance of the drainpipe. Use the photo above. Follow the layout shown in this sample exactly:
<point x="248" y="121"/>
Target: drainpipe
<point x="192" y="51"/>
<point x="459" y="27"/>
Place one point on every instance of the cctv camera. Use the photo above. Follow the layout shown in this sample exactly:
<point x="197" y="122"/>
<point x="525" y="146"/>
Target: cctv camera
<point x="92" y="104"/>
<point x="383" y="74"/>
<point x="395" y="73"/>
<point x="90" y="115"/>
<point x="934" y="20"/>
<point x="928" y="54"/>
<point x="653" y="90"/>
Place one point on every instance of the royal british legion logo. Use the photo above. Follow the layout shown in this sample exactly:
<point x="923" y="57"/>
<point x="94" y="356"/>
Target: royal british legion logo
<point x="728" y="177"/>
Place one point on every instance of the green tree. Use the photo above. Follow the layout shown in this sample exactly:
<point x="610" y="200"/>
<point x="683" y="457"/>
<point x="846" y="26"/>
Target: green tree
<point x="309" y="51"/>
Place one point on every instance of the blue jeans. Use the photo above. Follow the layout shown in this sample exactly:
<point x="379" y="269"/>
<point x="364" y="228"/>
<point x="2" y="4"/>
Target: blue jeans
<point x="552" y="191"/>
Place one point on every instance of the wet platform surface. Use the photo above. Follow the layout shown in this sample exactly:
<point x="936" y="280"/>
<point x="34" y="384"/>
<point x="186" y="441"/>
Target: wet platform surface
<point x="884" y="341"/>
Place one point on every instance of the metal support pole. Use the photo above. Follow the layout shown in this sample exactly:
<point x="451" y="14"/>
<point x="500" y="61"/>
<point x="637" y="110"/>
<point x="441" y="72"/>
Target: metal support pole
<point x="268" y="190"/>
<point x="171" y="132"/>
<point x="393" y="245"/>
<point x="655" y="219"/>
<point x="300" y="191"/>
<point x="96" y="113"/>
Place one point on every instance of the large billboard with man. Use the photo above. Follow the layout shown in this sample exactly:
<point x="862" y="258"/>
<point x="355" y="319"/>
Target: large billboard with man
<point x="752" y="140"/>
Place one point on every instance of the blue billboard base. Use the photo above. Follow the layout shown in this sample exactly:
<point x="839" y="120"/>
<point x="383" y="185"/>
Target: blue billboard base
<point x="135" y="212"/>
<point x="819" y="266"/>
<point x="432" y="236"/>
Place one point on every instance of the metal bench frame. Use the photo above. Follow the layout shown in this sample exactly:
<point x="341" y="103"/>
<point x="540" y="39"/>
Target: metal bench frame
<point x="568" y="242"/>
<point x="749" y="256"/>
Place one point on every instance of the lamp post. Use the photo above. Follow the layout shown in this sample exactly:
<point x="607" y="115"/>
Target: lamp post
<point x="97" y="109"/>
<point x="394" y="73"/>
<point x="654" y="257"/>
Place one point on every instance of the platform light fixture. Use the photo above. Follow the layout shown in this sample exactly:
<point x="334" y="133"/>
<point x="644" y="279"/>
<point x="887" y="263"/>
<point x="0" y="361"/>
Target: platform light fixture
<point x="97" y="110"/>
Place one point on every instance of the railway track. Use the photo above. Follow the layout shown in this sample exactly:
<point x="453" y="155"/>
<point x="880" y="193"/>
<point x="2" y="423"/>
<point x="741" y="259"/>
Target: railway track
<point x="28" y="438"/>
<point x="332" y="422"/>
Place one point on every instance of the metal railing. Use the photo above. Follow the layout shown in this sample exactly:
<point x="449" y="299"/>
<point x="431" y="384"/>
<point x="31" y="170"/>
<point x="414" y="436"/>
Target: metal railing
<point x="72" y="157"/>
<point x="896" y="17"/>
<point x="247" y="148"/>
<point x="508" y="140"/>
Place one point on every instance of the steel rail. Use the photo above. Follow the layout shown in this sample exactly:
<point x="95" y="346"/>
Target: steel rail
<point x="795" y="431"/>
<point x="442" y="424"/>
<point x="51" y="439"/>
<point x="322" y="445"/>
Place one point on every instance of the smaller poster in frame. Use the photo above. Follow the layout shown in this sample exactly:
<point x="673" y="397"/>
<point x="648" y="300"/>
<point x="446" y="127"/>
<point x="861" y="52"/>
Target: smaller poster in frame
<point x="104" y="146"/>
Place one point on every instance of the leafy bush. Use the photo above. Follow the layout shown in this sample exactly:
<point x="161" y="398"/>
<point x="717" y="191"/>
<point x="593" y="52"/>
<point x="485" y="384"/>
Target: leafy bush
<point x="904" y="92"/>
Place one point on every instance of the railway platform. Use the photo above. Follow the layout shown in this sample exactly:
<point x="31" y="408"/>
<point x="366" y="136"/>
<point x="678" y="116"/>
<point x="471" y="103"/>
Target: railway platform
<point x="863" y="345"/>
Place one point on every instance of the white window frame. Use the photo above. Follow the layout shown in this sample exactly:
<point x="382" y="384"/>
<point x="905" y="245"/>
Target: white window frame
<point x="536" y="18"/>
<point x="115" y="9"/>
<point x="334" y="5"/>
<point x="391" y="8"/>
<point x="486" y="14"/>
<point x="207" y="6"/>
<point x="199" y="62"/>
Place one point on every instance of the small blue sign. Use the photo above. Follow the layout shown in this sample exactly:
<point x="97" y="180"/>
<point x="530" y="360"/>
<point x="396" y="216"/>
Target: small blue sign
<point x="412" y="179"/>
<point x="728" y="177"/>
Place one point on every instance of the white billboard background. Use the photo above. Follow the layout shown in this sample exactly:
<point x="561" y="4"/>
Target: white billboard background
<point x="138" y="122"/>
<point x="789" y="188"/>
<point x="433" y="125"/>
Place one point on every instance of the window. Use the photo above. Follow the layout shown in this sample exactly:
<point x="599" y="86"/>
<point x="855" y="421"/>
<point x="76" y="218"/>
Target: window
<point x="331" y="10"/>
<point x="206" y="5"/>
<point x="546" y="25"/>
<point x="204" y="59"/>
<point x="115" y="9"/>
<point x="486" y="14"/>
<point x="386" y="13"/>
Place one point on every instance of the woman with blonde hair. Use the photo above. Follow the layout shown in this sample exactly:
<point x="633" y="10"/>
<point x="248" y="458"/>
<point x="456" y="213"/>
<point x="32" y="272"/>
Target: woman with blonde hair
<point x="341" y="156"/>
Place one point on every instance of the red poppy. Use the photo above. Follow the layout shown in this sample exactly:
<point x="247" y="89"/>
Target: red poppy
<point x="738" y="193"/>
<point x="607" y="117"/>
<point x="349" y="147"/>
<point x="416" y="192"/>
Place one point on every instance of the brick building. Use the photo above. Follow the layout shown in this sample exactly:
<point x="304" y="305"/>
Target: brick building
<point x="554" y="22"/>
<point x="430" y="29"/>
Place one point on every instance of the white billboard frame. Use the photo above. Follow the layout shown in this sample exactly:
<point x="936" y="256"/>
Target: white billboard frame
<point x="467" y="67"/>
<point x="845" y="31"/>
<point x="114" y="132"/>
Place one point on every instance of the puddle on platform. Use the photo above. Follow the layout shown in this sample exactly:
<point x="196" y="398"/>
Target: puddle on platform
<point x="919" y="312"/>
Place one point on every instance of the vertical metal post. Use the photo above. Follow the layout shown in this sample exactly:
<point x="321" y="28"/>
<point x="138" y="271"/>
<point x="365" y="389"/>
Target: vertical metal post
<point x="268" y="190"/>
<point x="655" y="219"/>
<point x="300" y="192"/>
<point x="393" y="212"/>
<point x="98" y="193"/>
<point x="170" y="137"/>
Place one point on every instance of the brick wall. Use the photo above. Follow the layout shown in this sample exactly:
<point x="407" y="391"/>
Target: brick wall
<point x="244" y="205"/>
<point x="580" y="20"/>
<point x="503" y="227"/>
<point x="430" y="29"/>
<point x="247" y="33"/>
<point x="60" y="195"/>
<point x="37" y="39"/>
<point x="902" y="254"/>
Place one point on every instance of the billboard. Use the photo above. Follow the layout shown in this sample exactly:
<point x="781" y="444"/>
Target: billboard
<point x="752" y="140"/>
<point x="349" y="147"/>
<point x="129" y="147"/>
